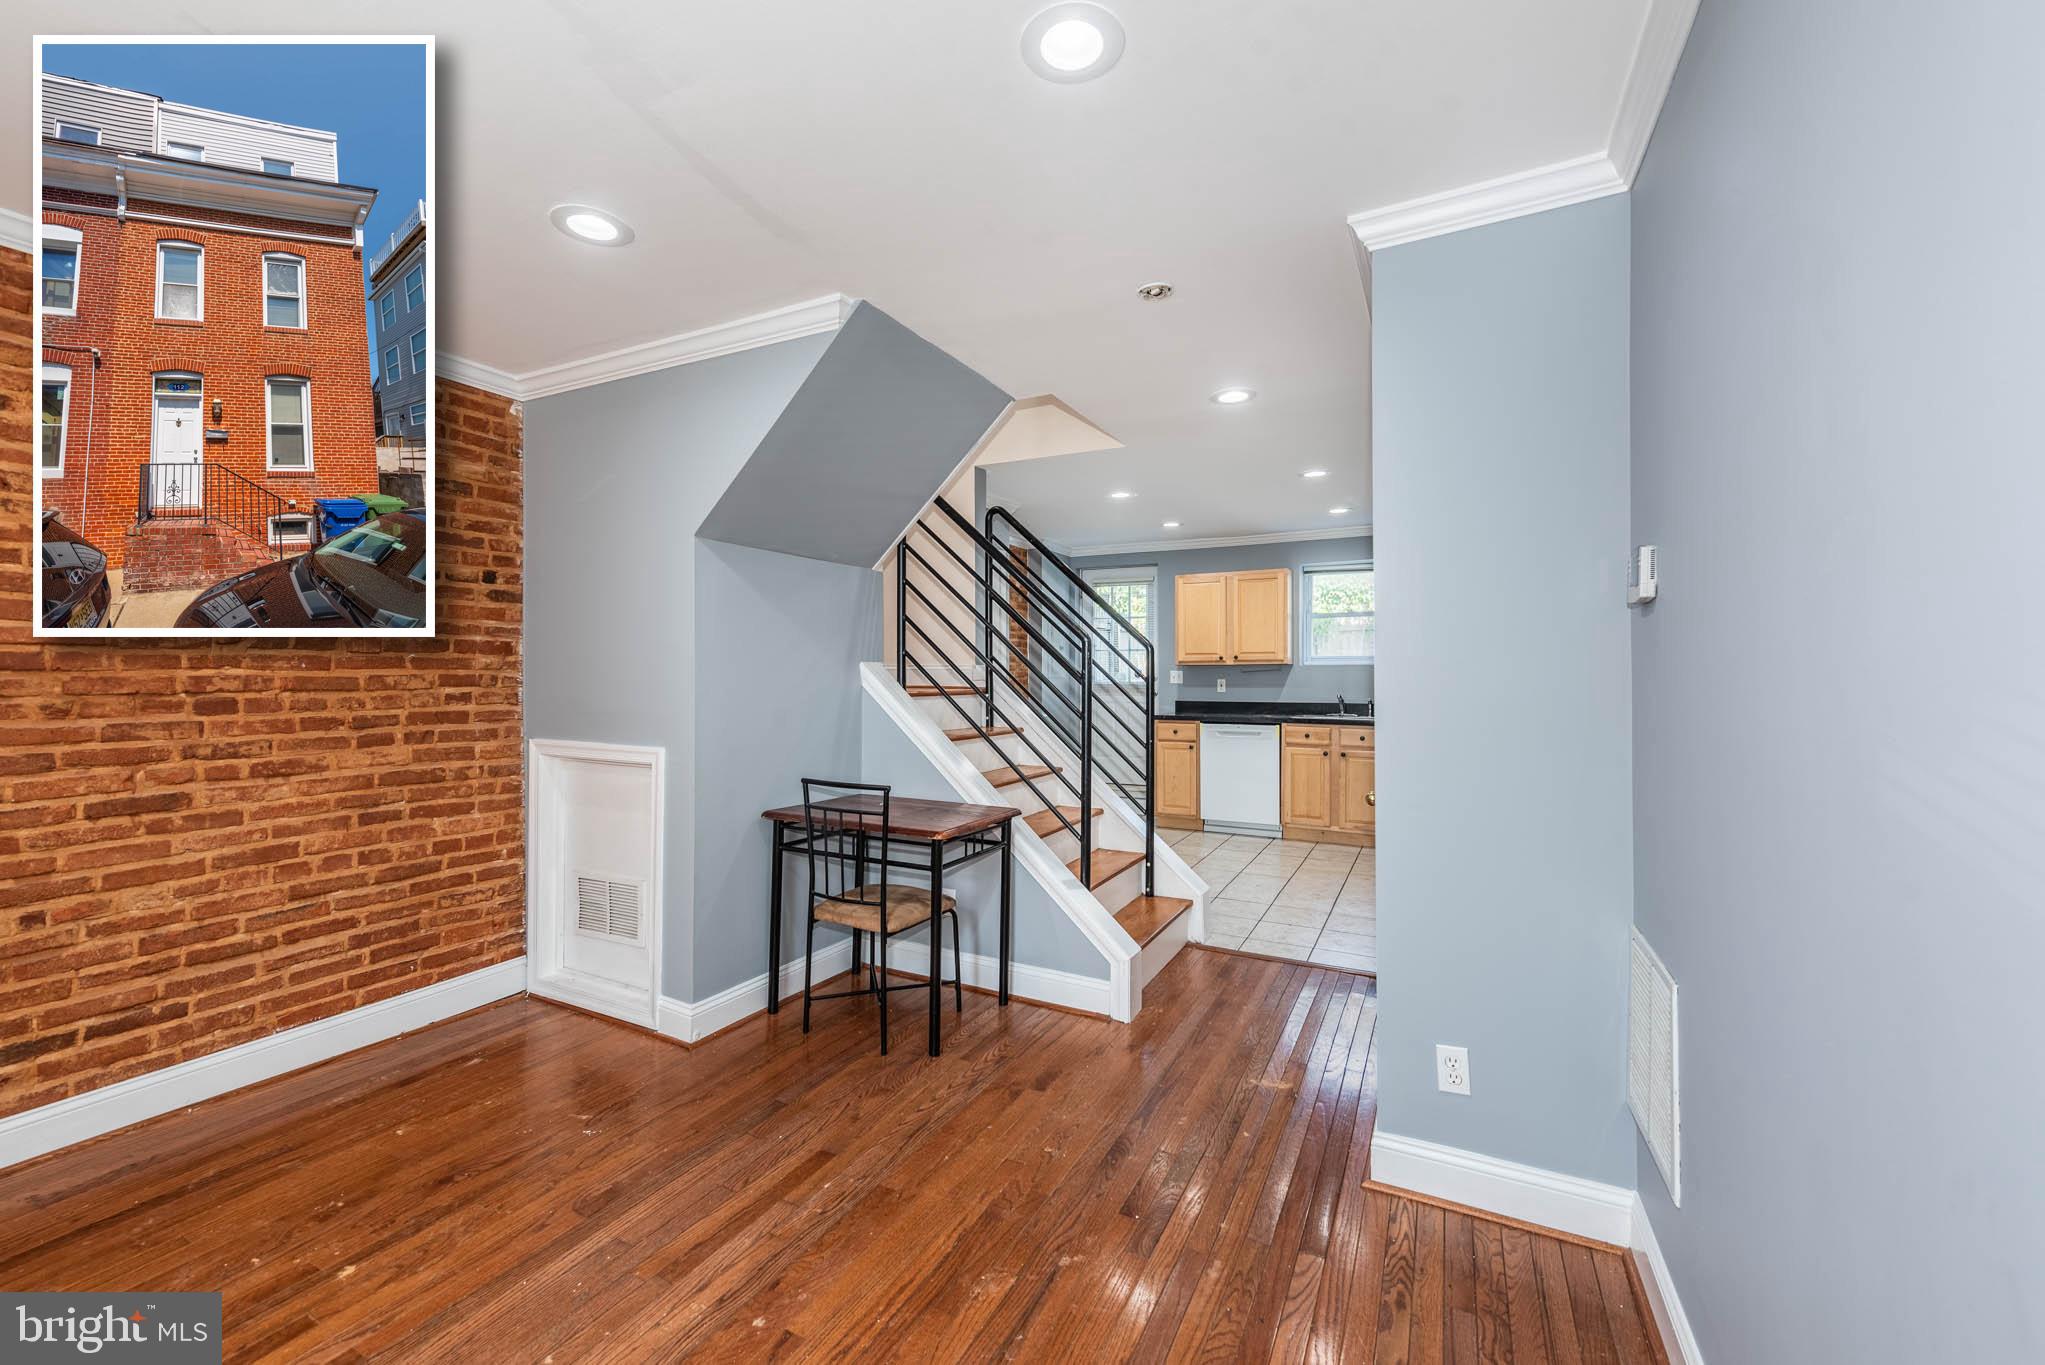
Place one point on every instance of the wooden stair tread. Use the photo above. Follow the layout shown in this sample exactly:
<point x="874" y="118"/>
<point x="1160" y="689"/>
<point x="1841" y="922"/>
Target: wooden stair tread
<point x="967" y="735"/>
<point x="1045" y="823"/>
<point x="948" y="690"/>
<point x="1108" y="863"/>
<point x="1009" y="776"/>
<point x="1148" y="916"/>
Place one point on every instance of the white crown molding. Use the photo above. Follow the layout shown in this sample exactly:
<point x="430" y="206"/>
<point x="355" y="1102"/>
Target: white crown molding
<point x="1662" y="35"/>
<point x="1678" y="1340"/>
<point x="1137" y="547"/>
<point x="1489" y="201"/>
<point x="33" y="1132"/>
<point x="824" y="314"/>
<point x="1549" y="1199"/>
<point x="1664" y="30"/>
<point x="14" y="230"/>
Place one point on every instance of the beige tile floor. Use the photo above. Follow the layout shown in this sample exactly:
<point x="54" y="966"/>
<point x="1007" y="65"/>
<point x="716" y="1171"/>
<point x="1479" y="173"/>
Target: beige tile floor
<point x="1287" y="898"/>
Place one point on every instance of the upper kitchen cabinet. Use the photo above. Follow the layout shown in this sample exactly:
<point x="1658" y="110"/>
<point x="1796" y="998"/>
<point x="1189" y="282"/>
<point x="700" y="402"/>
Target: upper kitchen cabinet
<point x="1234" y="618"/>
<point x="1201" y="612"/>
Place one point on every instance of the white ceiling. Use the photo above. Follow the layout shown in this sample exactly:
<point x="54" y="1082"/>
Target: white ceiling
<point x="777" y="150"/>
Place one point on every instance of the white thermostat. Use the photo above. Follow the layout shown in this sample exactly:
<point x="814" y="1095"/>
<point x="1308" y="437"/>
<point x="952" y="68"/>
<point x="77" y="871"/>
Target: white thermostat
<point x="1640" y="584"/>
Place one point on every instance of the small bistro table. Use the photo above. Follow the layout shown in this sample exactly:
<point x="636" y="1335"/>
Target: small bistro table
<point x="956" y="834"/>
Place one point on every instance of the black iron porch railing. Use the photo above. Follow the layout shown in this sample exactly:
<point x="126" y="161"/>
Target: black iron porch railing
<point x="1034" y="639"/>
<point x="211" y="494"/>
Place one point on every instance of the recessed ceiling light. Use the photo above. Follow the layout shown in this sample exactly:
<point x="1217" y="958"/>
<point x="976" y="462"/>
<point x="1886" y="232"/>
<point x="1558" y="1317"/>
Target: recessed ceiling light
<point x="1155" y="290"/>
<point x="1072" y="42"/>
<point x="1171" y="526"/>
<point x="1338" y="511"/>
<point x="1315" y="474"/>
<point x="1120" y="494"/>
<point x="1228" y="398"/>
<point x="592" y="225"/>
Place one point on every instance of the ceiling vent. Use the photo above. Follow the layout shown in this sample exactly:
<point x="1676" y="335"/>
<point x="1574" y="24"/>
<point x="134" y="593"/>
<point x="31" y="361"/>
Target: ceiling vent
<point x="1651" y="1083"/>
<point x="609" y="908"/>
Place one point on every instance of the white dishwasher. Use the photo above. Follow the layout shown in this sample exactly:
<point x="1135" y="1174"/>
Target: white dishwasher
<point x="1239" y="778"/>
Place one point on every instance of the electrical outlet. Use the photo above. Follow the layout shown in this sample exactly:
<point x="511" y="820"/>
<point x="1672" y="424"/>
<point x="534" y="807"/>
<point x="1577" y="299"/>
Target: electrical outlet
<point x="1452" y="1068"/>
<point x="1178" y="676"/>
<point x="1221" y="684"/>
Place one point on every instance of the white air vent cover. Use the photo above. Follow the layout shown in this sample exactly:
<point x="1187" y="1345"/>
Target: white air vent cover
<point x="1651" y="1088"/>
<point x="608" y="908"/>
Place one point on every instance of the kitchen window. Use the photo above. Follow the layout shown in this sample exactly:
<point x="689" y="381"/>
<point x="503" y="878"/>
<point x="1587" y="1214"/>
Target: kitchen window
<point x="272" y="166"/>
<point x="56" y="410"/>
<point x="1130" y="592"/>
<point x="83" y="133"/>
<point x="419" y="351"/>
<point x="1342" y="614"/>
<point x="387" y="311"/>
<point x="289" y="423"/>
<point x="60" y="274"/>
<point x="415" y="287"/>
<point x="180" y="282"/>
<point x="283" y="291"/>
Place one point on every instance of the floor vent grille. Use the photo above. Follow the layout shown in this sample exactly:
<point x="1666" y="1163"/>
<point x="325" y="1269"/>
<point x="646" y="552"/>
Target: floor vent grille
<point x="608" y="908"/>
<point x="1652" y="1091"/>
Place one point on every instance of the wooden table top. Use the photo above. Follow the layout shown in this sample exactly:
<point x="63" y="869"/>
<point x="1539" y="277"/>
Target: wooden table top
<point x="910" y="816"/>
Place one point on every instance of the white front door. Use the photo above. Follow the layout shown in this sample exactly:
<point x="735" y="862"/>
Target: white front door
<point x="177" y="453"/>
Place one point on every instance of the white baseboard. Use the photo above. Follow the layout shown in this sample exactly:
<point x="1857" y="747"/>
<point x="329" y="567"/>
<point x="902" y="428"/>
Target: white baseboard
<point x="1549" y="1199"/>
<point x="692" y="1022"/>
<point x="1038" y="985"/>
<point x="37" y="1131"/>
<point x="595" y="995"/>
<point x="1669" y="1317"/>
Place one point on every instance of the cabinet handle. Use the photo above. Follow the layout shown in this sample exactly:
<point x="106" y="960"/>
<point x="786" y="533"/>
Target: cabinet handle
<point x="1371" y="797"/>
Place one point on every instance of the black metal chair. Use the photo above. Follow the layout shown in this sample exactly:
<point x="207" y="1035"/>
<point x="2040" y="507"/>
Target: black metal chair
<point x="846" y="833"/>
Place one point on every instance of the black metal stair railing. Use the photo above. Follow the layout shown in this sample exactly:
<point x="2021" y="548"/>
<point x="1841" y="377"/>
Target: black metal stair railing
<point x="210" y="494"/>
<point x="1036" y="652"/>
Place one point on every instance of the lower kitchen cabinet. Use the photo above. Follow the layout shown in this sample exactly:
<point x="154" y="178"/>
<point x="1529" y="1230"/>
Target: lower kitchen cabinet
<point x="1328" y="783"/>
<point x="1178" y="774"/>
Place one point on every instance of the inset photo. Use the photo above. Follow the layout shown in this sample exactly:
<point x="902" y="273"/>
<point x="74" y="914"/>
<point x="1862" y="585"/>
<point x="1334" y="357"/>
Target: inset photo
<point x="234" y="331"/>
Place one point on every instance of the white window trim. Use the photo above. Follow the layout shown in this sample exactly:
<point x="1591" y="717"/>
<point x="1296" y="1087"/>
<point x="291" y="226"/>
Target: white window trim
<point x="62" y="124"/>
<point x="1145" y="574"/>
<point x="63" y="239"/>
<point x="416" y="414"/>
<point x="304" y="305"/>
<point x="290" y="168"/>
<point x="1306" y="616"/>
<point x="53" y="374"/>
<point x="387" y="310"/>
<point x="406" y="282"/>
<point x="393" y="370"/>
<point x="278" y="538"/>
<point x="197" y="147"/>
<point x="200" y="315"/>
<point x="417" y="354"/>
<point x="270" y="464"/>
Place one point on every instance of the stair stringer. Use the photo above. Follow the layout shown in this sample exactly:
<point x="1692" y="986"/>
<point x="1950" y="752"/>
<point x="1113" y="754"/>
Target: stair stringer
<point x="1033" y="856"/>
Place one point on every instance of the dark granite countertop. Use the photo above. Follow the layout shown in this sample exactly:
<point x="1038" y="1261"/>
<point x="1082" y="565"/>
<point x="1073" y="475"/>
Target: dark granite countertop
<point x="1264" y="713"/>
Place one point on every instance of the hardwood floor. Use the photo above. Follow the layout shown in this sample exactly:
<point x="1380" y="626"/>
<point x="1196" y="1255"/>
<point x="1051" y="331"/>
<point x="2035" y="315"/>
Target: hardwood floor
<point x="528" y="1183"/>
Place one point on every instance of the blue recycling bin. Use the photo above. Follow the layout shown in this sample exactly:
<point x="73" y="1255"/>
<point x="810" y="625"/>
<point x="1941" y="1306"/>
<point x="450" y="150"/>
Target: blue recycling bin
<point x="339" y="514"/>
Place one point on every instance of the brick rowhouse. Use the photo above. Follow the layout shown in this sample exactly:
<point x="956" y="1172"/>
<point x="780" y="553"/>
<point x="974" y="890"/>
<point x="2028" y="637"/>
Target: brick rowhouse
<point x="204" y="843"/>
<point x="114" y="204"/>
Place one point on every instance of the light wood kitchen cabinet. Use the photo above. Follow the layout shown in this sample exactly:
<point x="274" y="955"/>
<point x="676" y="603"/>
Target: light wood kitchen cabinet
<point x="1234" y="618"/>
<point x="1200" y="611"/>
<point x="1178" y="774"/>
<point x="1328" y="783"/>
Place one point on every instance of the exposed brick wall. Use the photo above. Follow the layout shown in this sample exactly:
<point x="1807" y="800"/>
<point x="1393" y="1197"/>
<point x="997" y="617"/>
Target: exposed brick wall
<point x="204" y="843"/>
<point x="232" y="350"/>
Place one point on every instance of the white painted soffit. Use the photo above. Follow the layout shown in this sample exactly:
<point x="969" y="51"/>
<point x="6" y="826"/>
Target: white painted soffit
<point x="824" y="314"/>
<point x="1591" y="176"/>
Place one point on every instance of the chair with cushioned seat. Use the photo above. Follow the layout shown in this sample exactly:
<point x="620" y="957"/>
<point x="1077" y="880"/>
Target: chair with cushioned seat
<point x="846" y="829"/>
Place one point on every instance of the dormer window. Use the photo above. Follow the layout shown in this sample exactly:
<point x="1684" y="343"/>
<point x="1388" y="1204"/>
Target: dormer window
<point x="188" y="151"/>
<point x="272" y="166"/>
<point x="82" y="133"/>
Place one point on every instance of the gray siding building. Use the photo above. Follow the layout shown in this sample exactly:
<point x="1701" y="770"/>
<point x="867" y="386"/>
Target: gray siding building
<point x="397" y="292"/>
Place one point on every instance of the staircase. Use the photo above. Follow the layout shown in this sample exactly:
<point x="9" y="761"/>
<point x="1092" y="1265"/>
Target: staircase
<point x="196" y="524"/>
<point x="1030" y="676"/>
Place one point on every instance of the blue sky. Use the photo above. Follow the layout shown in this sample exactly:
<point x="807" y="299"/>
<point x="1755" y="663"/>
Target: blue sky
<point x="371" y="95"/>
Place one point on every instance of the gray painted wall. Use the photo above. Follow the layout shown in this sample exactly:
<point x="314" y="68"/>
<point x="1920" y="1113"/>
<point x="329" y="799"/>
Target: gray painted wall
<point x="1840" y="697"/>
<point x="1505" y="773"/>
<point x="1298" y="682"/>
<point x="1044" y="937"/>
<point x="880" y="424"/>
<point x="777" y="700"/>
<point x="616" y="479"/>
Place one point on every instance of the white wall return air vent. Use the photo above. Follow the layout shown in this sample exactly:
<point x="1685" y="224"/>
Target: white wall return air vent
<point x="609" y="907"/>
<point x="1653" y="1091"/>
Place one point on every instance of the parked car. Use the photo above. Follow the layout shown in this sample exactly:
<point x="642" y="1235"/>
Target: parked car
<point x="371" y="575"/>
<point x="75" y="591"/>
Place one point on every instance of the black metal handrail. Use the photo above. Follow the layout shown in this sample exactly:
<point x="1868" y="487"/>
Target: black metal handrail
<point x="1064" y="666"/>
<point x="210" y="494"/>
